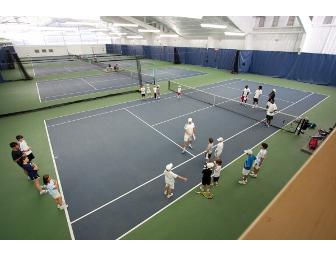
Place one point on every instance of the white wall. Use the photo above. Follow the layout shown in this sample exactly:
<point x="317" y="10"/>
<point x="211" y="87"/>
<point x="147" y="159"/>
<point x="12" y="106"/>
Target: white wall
<point x="29" y="51"/>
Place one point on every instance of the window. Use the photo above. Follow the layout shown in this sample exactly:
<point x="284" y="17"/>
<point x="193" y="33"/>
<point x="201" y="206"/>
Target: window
<point x="44" y="51"/>
<point x="261" y="21"/>
<point x="328" y="20"/>
<point x="290" y="21"/>
<point x="275" y="21"/>
<point x="37" y="51"/>
<point x="51" y="50"/>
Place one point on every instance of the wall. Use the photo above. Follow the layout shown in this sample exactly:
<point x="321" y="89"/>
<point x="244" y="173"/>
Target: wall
<point x="29" y="51"/>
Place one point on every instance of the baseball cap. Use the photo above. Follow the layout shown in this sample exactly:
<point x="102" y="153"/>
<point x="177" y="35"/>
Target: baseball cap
<point x="169" y="166"/>
<point x="220" y="139"/>
<point x="249" y="151"/>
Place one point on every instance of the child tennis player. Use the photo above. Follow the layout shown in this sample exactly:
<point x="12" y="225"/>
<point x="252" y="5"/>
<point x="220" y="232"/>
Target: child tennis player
<point x="208" y="150"/>
<point x="248" y="163"/>
<point x="52" y="187"/>
<point x="245" y="93"/>
<point x="143" y="92"/>
<point x="170" y="177"/>
<point x="32" y="173"/>
<point x="179" y="92"/>
<point x="259" y="161"/>
<point x="148" y="91"/>
<point x="24" y="147"/>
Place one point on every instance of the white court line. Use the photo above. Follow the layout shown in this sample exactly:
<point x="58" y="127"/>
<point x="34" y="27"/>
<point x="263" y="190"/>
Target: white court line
<point x="187" y="192"/>
<point x="38" y="92"/>
<point x="147" y="124"/>
<point x="59" y="182"/>
<point x="128" y="107"/>
<point x="88" y="83"/>
<point x="299" y="90"/>
<point x="33" y="68"/>
<point x="72" y="93"/>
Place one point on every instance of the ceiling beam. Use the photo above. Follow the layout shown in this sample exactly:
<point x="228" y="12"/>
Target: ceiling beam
<point x="138" y="22"/>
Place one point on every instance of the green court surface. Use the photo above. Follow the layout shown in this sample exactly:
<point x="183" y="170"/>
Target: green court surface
<point x="25" y="214"/>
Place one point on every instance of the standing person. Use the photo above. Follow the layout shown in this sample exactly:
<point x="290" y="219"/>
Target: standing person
<point x="259" y="161"/>
<point x="116" y="67"/>
<point x="158" y="91"/>
<point x="256" y="96"/>
<point x="248" y="163"/>
<point x="148" y="91"/>
<point x="217" y="166"/>
<point x="17" y="155"/>
<point x="271" y="97"/>
<point x="52" y="187"/>
<point x="206" y="178"/>
<point x="271" y="110"/>
<point x="32" y="169"/>
<point x="219" y="148"/>
<point x="155" y="92"/>
<point x="208" y="150"/>
<point x="245" y="93"/>
<point x="170" y="177"/>
<point x="24" y="147"/>
<point x="189" y="134"/>
<point x="143" y="92"/>
<point x="179" y="92"/>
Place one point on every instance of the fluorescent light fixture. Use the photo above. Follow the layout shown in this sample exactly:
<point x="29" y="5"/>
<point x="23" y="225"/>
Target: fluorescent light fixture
<point x="124" y="25"/>
<point x="116" y="33"/>
<point x="213" y="26"/>
<point x="169" y="35"/>
<point x="191" y="16"/>
<point x="149" y="30"/>
<point x="134" y="37"/>
<point x="234" y="34"/>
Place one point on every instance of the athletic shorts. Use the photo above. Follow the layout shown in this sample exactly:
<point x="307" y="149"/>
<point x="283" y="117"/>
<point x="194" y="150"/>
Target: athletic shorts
<point x="170" y="185"/>
<point x="54" y="193"/>
<point x="188" y="138"/>
<point x="30" y="156"/>
<point x="208" y="155"/>
<point x="179" y="94"/>
<point x="206" y="181"/>
<point x="269" y="117"/>
<point x="256" y="165"/>
<point x="218" y="154"/>
<point x="143" y="95"/>
<point x="215" y="179"/>
<point x="255" y="100"/>
<point x="246" y="171"/>
<point x="33" y="175"/>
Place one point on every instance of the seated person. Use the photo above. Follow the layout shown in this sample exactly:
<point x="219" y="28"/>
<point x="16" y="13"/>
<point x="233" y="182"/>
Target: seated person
<point x="108" y="68"/>
<point x="116" y="67"/>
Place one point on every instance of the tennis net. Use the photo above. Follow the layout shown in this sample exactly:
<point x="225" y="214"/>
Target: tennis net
<point x="280" y="120"/>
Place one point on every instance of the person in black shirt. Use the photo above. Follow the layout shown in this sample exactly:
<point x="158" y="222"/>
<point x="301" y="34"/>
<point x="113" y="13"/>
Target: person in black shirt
<point x="18" y="155"/>
<point x="206" y="179"/>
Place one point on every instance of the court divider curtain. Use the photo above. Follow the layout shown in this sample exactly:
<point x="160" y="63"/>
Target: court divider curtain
<point x="225" y="58"/>
<point x="245" y="60"/>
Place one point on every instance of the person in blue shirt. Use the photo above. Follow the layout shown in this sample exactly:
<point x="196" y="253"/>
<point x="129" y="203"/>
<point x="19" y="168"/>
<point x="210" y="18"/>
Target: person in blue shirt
<point x="248" y="164"/>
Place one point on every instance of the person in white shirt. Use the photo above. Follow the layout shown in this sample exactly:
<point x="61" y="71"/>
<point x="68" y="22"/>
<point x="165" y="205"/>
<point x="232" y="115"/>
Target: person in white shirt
<point x="246" y="92"/>
<point x="148" y="91"/>
<point x="217" y="166"/>
<point x="143" y="92"/>
<point x="179" y="92"/>
<point x="271" y="110"/>
<point x="256" y="96"/>
<point x="170" y="177"/>
<point x="155" y="92"/>
<point x="189" y="134"/>
<point x="219" y="148"/>
<point x="158" y="93"/>
<point x="208" y="150"/>
<point x="52" y="188"/>
<point x="259" y="161"/>
<point x="24" y="147"/>
<point x="108" y="69"/>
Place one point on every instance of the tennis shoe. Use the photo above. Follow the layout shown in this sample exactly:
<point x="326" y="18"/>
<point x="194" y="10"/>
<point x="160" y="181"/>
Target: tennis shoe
<point x="43" y="192"/>
<point x="190" y="146"/>
<point x="253" y="175"/>
<point x="242" y="182"/>
<point x="170" y="195"/>
<point x="64" y="206"/>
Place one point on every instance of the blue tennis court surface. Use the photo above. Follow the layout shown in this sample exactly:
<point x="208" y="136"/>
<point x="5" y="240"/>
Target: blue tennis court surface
<point x="65" y="88"/>
<point x="110" y="160"/>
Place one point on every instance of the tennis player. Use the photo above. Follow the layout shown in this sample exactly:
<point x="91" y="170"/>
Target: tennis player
<point x="143" y="92"/>
<point x="189" y="134"/>
<point x="271" y="96"/>
<point x="170" y="177"/>
<point x="116" y="67"/>
<point x="248" y="163"/>
<point x="271" y="110"/>
<point x="216" y="166"/>
<point x="244" y="96"/>
<point x="256" y="96"/>
<point x="259" y="161"/>
<point x="219" y="148"/>
<point x="208" y="150"/>
<point x="179" y="92"/>
<point x="155" y="91"/>
<point x="158" y="91"/>
<point x="24" y="147"/>
<point x="148" y="91"/>
<point x="206" y="178"/>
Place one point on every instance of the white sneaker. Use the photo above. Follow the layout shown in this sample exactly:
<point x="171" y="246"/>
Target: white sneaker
<point x="165" y="192"/>
<point x="253" y="175"/>
<point x="28" y="178"/>
<point x="183" y="151"/>
<point x="62" y="207"/>
<point x="201" y="188"/>
<point x="43" y="192"/>
<point x="58" y="206"/>
<point x="171" y="194"/>
<point x="190" y="146"/>
<point x="242" y="182"/>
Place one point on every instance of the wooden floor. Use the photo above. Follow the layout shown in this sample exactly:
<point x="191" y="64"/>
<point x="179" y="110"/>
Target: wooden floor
<point x="306" y="207"/>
